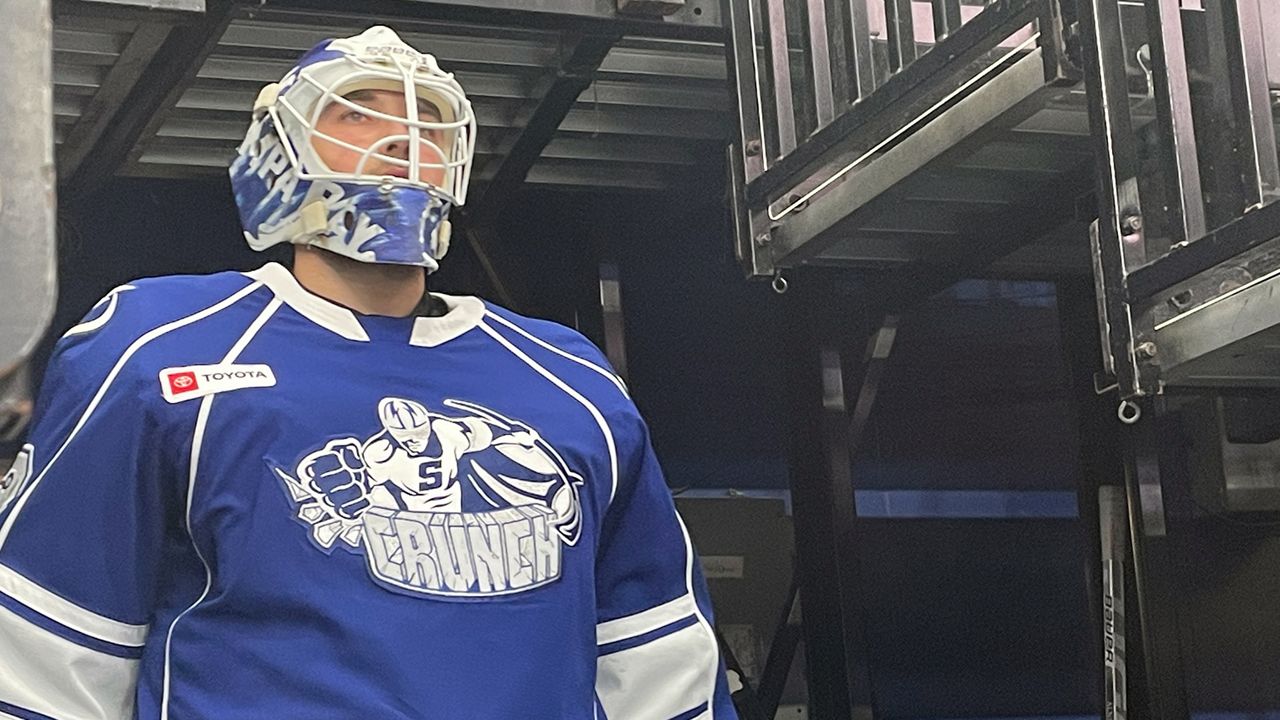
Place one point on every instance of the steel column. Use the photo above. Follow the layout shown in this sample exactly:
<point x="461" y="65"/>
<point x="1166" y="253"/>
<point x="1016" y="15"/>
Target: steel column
<point x="752" y="252"/>
<point x="28" y="269"/>
<point x="1213" y="114"/>
<point x="782" y="651"/>
<point x="1271" y="49"/>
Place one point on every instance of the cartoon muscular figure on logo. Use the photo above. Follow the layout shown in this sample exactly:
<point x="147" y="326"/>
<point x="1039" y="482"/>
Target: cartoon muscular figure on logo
<point x="482" y="494"/>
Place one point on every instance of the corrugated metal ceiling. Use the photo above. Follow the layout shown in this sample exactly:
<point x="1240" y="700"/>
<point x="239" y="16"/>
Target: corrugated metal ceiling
<point x="657" y="108"/>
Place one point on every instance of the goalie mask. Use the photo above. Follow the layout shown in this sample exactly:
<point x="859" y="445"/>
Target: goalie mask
<point x="362" y="149"/>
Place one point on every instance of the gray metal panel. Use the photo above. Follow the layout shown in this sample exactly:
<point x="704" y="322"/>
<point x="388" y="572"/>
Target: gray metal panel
<point x="186" y="6"/>
<point x="449" y="45"/>
<point x="1232" y="341"/>
<point x="86" y="42"/>
<point x="694" y="13"/>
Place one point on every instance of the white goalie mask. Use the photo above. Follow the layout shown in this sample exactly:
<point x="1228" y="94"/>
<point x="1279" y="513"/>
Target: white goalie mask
<point x="389" y="201"/>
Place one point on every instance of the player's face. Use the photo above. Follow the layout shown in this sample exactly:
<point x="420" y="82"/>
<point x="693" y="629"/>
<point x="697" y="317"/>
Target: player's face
<point x="388" y="137"/>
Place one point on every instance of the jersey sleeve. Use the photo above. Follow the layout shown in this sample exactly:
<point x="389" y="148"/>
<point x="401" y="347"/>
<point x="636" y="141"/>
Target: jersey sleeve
<point x="82" y="518"/>
<point x="658" y="657"/>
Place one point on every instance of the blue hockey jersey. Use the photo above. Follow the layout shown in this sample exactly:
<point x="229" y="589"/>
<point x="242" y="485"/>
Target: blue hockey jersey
<point x="242" y="501"/>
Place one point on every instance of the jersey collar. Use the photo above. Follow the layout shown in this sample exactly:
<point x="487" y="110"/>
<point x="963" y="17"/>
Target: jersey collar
<point x="464" y="312"/>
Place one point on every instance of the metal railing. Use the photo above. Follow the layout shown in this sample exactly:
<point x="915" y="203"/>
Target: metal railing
<point x="1187" y="183"/>
<point x="826" y="86"/>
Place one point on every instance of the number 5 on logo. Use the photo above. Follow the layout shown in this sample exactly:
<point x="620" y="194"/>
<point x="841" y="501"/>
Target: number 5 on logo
<point x="14" y="480"/>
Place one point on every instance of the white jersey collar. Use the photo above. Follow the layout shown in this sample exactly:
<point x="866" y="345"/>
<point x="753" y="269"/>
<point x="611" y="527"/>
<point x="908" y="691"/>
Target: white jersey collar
<point x="464" y="312"/>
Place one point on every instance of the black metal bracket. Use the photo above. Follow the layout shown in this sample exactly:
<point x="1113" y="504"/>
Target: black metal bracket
<point x="166" y="74"/>
<point x="574" y="75"/>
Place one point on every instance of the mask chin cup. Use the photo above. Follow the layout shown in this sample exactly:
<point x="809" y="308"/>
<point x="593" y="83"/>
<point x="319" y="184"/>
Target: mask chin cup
<point x="441" y="247"/>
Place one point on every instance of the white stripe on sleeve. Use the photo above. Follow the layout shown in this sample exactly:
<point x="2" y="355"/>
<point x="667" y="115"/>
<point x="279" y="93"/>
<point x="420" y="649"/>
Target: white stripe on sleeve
<point x="647" y="621"/>
<point x="61" y="679"/>
<point x="659" y="679"/>
<point x="65" y="612"/>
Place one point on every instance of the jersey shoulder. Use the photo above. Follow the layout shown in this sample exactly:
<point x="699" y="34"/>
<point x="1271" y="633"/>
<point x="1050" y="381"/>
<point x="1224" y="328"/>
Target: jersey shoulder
<point x="552" y="333"/>
<point x="131" y="313"/>
<point x="571" y="356"/>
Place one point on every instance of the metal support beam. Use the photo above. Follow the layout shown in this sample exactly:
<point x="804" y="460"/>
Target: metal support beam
<point x="787" y="635"/>
<point x="158" y="87"/>
<point x="901" y="28"/>
<point x="822" y="497"/>
<point x="1181" y="168"/>
<point x="28" y="271"/>
<point x="742" y="61"/>
<point x="1244" y="234"/>
<point x="822" y="41"/>
<point x="1247" y="60"/>
<point x="946" y="18"/>
<point x="1116" y="159"/>
<point x="100" y="111"/>
<point x="168" y="12"/>
<point x="574" y="75"/>
<point x="996" y="106"/>
<point x="859" y="55"/>
<point x="481" y="240"/>
<point x="780" y="65"/>
<point x="1159" y="687"/>
<point x="615" y="329"/>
